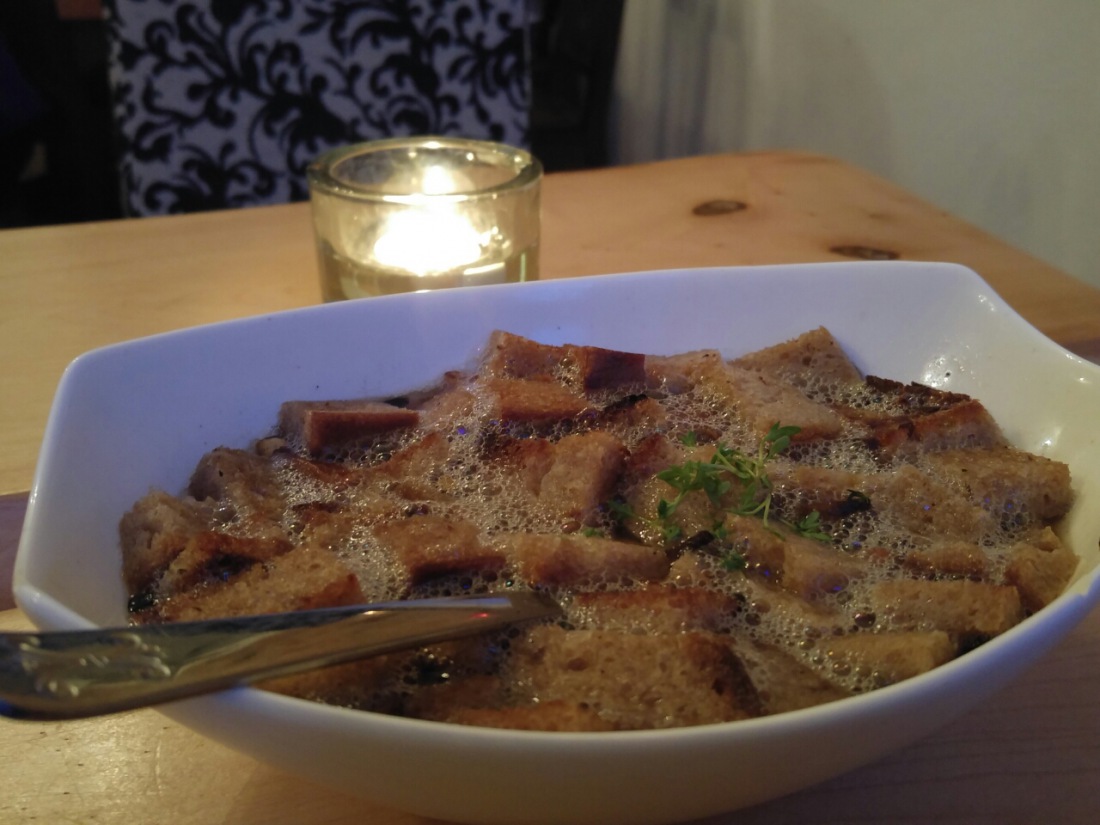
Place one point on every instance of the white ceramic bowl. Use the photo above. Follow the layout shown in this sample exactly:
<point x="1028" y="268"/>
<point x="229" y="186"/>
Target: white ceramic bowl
<point x="142" y="413"/>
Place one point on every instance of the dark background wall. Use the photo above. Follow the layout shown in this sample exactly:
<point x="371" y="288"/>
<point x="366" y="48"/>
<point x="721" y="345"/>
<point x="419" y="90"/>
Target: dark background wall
<point x="57" y="160"/>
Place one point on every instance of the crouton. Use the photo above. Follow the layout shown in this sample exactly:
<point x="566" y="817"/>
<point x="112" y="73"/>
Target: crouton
<point x="556" y="560"/>
<point x="636" y="681"/>
<point x="213" y="556"/>
<point x="321" y="426"/>
<point x="521" y="401"/>
<point x="328" y="476"/>
<point x="1019" y="488"/>
<point x="768" y="604"/>
<point x="651" y="455"/>
<point x="677" y="374"/>
<point x="782" y="682"/>
<point x="925" y="506"/>
<point x="963" y="608"/>
<point x="336" y="524"/>
<point x="581" y="476"/>
<point x="914" y="417"/>
<point x="418" y="471"/>
<point x="643" y="492"/>
<point x="637" y="413"/>
<point x="525" y="462"/>
<point x="585" y="368"/>
<point x="806" y="567"/>
<point x="154" y="531"/>
<point x="428" y="546"/>
<point x="655" y="609"/>
<point x="830" y="491"/>
<point x="887" y="658"/>
<point x="245" y="487"/>
<point x="1040" y="568"/>
<point x="508" y="355"/>
<point x="565" y="482"/>
<point x="448" y="409"/>
<point x="304" y="578"/>
<point x="947" y="558"/>
<point x="762" y="401"/>
<point x="811" y="361"/>
<point x="604" y="369"/>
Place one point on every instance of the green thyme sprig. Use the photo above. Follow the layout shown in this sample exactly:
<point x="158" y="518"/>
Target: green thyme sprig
<point x="733" y="561"/>
<point x="716" y="477"/>
<point x="811" y="527"/>
<point x="668" y="532"/>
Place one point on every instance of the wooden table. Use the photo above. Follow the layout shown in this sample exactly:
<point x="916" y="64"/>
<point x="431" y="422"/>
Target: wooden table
<point x="1031" y="755"/>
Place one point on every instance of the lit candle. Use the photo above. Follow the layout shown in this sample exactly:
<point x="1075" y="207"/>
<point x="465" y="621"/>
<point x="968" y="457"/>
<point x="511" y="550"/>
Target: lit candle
<point x="413" y="214"/>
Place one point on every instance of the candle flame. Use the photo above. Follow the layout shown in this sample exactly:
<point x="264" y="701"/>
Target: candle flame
<point x="428" y="241"/>
<point x="438" y="181"/>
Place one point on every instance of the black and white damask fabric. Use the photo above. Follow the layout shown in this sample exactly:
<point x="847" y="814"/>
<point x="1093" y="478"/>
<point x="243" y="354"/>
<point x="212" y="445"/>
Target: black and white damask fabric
<point x="223" y="103"/>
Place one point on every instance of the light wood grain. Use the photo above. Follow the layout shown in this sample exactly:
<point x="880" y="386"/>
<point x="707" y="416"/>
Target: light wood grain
<point x="70" y="289"/>
<point x="1031" y="755"/>
<point x="799" y="208"/>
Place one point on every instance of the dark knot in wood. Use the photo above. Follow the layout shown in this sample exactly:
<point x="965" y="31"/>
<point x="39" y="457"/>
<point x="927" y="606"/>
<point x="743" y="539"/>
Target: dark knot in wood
<point x="719" y="207"/>
<point x="866" y="253"/>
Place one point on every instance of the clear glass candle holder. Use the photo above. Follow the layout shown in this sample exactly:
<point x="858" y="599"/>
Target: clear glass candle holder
<point x="422" y="213"/>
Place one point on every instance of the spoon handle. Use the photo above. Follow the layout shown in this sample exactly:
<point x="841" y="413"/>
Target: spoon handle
<point x="76" y="674"/>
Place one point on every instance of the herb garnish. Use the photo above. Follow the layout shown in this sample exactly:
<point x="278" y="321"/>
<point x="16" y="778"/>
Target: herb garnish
<point x="716" y="478"/>
<point x="733" y="561"/>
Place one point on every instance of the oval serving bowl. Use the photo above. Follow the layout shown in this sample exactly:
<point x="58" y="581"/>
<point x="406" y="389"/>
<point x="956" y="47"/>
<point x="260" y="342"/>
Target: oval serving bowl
<point x="140" y="414"/>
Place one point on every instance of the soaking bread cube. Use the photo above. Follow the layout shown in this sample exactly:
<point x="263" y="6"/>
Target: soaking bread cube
<point x="635" y="681"/>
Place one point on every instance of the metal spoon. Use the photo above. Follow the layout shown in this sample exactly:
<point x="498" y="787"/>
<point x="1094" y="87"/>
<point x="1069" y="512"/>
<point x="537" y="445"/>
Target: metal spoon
<point x="75" y="674"/>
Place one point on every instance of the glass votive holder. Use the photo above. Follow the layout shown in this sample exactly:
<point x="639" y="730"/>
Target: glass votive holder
<point x="421" y="213"/>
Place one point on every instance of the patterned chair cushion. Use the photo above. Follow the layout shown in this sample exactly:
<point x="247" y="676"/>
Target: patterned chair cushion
<point x="223" y="103"/>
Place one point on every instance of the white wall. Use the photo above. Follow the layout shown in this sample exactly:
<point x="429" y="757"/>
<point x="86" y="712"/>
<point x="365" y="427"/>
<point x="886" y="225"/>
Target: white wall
<point x="988" y="108"/>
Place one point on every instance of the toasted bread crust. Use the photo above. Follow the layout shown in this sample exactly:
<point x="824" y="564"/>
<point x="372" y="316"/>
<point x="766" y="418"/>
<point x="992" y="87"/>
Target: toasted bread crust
<point x="304" y="578"/>
<point x="323" y="425"/>
<point x="890" y="657"/>
<point x="636" y="681"/>
<point x="811" y="360"/>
